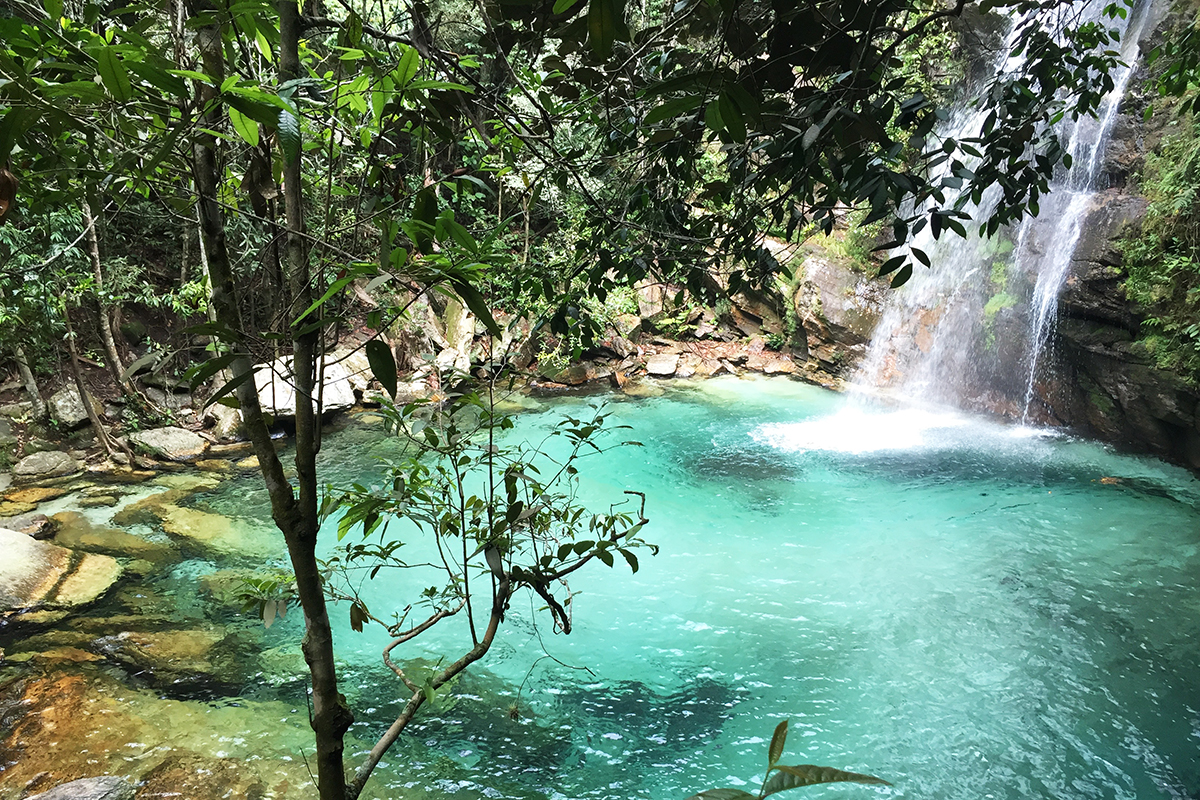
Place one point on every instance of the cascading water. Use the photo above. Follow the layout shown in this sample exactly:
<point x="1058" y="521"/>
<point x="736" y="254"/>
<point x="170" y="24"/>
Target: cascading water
<point x="972" y="332"/>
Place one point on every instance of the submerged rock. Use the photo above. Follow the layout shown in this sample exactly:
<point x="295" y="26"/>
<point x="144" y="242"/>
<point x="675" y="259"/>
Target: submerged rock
<point x="79" y="533"/>
<point x="188" y="661"/>
<point x="173" y="444"/>
<point x="39" y="574"/>
<point x="217" y="532"/>
<point x="105" y="788"/>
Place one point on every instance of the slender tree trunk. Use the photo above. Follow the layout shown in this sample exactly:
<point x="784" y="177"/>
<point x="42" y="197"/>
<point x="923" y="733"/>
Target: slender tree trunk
<point x="115" y="366"/>
<point x="294" y="511"/>
<point x="84" y="396"/>
<point x="331" y="717"/>
<point x="31" y="387"/>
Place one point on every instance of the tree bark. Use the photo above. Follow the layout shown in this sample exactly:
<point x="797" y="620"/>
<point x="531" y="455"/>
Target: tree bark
<point x="115" y="366"/>
<point x="331" y="717"/>
<point x="31" y="387"/>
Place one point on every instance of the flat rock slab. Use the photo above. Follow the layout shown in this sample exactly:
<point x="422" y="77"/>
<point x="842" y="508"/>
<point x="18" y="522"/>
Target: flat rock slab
<point x="662" y="365"/>
<point x="173" y="444"/>
<point x="104" y="788"/>
<point x="48" y="464"/>
<point x="35" y="573"/>
<point x="35" y="494"/>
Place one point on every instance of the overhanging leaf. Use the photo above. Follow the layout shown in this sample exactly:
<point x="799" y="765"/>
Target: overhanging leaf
<point x="245" y="127"/>
<point x="777" y="741"/>
<point x="383" y="365"/>
<point x="114" y="74"/>
<point x="289" y="135"/>
<point x="229" y="388"/>
<point x="785" y="778"/>
<point x="478" y="305"/>
<point x="722" y="794"/>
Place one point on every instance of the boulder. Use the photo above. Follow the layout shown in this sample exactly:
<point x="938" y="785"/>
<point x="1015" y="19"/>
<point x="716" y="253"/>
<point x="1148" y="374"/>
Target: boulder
<point x="354" y="362"/>
<point x="68" y="409"/>
<point x="7" y="437"/>
<point x="185" y="661"/>
<point x="39" y="526"/>
<point x="662" y="365"/>
<point x="172" y="444"/>
<point x="35" y="573"/>
<point x="276" y="386"/>
<point x="16" y="410"/>
<point x="47" y="464"/>
<point x="219" y="533"/>
<point x="104" y="788"/>
<point x="226" y="421"/>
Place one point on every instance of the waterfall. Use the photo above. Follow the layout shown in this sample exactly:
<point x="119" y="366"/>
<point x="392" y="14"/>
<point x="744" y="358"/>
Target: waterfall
<point x="972" y="330"/>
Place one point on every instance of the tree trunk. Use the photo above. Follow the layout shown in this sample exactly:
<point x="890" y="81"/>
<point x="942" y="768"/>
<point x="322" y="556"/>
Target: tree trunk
<point x="31" y="387"/>
<point x="294" y="512"/>
<point x="84" y="396"/>
<point x="115" y="366"/>
<point x="331" y="717"/>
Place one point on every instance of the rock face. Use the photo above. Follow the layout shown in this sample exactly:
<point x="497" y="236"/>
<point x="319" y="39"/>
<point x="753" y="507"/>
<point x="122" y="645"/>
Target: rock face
<point x="276" y="383"/>
<point x="48" y="464"/>
<point x="67" y="407"/>
<point x="34" y="573"/>
<point x="838" y="309"/>
<point x="172" y="444"/>
<point x="1106" y="384"/>
<point x="106" y="788"/>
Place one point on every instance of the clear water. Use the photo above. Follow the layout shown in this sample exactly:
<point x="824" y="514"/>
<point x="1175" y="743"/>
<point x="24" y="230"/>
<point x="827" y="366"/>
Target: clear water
<point x="964" y="609"/>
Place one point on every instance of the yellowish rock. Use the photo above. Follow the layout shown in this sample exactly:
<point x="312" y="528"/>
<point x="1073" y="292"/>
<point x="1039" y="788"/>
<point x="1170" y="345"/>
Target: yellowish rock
<point x="35" y="494"/>
<point x="214" y="465"/>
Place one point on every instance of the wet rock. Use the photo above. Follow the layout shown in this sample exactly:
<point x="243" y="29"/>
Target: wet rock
<point x="189" y="482"/>
<point x="39" y="526"/>
<point x="49" y="464"/>
<point x="11" y="509"/>
<point x="172" y="444"/>
<point x="251" y="462"/>
<point x="79" y="533"/>
<point x="214" y="465"/>
<point x="219" y="533"/>
<point x="662" y="365"/>
<point x="194" y="777"/>
<point x="97" y="501"/>
<point x="35" y="573"/>
<point x="837" y="307"/>
<point x="187" y="660"/>
<point x="35" y="494"/>
<point x="67" y="407"/>
<point x="105" y="788"/>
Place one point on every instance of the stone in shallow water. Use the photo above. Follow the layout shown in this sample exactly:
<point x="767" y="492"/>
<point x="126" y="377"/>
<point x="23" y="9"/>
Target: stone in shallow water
<point x="174" y="444"/>
<point x="217" y="532"/>
<point x="35" y="494"/>
<point x="79" y="533"/>
<point x="105" y="788"/>
<point x="34" y="573"/>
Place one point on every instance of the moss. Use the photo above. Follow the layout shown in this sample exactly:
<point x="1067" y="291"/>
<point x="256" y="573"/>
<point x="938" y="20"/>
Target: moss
<point x="995" y="304"/>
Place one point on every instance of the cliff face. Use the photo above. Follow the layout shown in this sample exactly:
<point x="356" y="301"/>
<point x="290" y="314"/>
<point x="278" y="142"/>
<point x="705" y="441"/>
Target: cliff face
<point x="1105" y="382"/>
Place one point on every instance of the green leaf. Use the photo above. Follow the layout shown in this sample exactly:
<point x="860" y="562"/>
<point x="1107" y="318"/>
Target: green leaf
<point x="289" y="135"/>
<point x="245" y="127"/>
<point x="785" y="778"/>
<point x="475" y="301"/>
<point x="264" y="46"/>
<point x="406" y="70"/>
<point x="777" y="742"/>
<point x="54" y="10"/>
<point x="229" y="388"/>
<point x="602" y="27"/>
<point x="723" y="794"/>
<point x="674" y="108"/>
<point x="902" y="276"/>
<point x="383" y="365"/>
